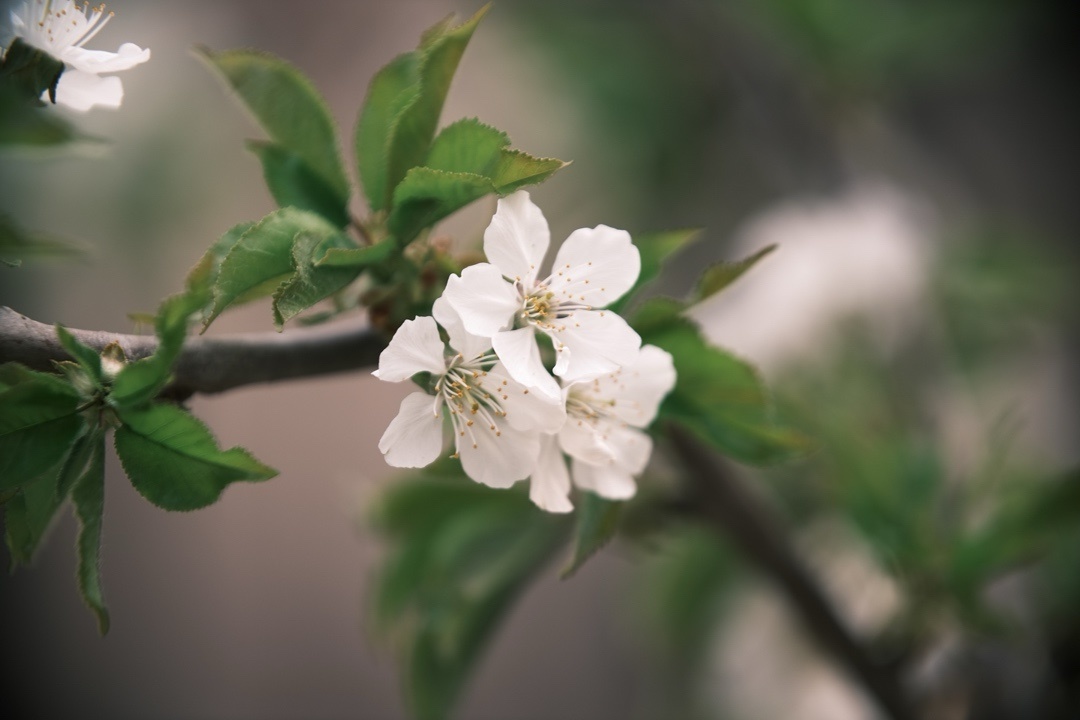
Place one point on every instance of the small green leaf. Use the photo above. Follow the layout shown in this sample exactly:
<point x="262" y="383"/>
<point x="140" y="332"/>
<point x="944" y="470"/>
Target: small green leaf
<point x="426" y="196"/>
<point x="393" y="88"/>
<point x="88" y="497"/>
<point x="460" y="553"/>
<point x="655" y="249"/>
<point x="468" y="160"/>
<point x="293" y="184"/>
<point x="402" y="108"/>
<point x="87" y="358"/>
<point x="173" y="461"/>
<point x="78" y="459"/>
<point x="687" y="582"/>
<point x="289" y="108"/>
<point x="597" y="521"/>
<point x="140" y="381"/>
<point x="202" y="276"/>
<point x="262" y="258"/>
<point x="467" y="146"/>
<point x="30" y="71"/>
<point x="310" y="284"/>
<point x="516" y="169"/>
<point x="24" y="122"/>
<point x="38" y="422"/>
<point x="716" y="394"/>
<point x="28" y="515"/>
<point x="16" y="243"/>
<point x="719" y="276"/>
<point x="358" y="257"/>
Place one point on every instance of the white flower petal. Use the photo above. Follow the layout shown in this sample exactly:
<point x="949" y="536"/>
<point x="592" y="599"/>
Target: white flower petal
<point x="607" y="481"/>
<point x="414" y="437"/>
<point x="525" y="410"/>
<point x="639" y="387"/>
<point x="470" y="346"/>
<point x="592" y="343"/>
<point x="595" y="266"/>
<point x="416" y="347"/>
<point x="520" y="355"/>
<point x="587" y="440"/>
<point x="631" y="446"/>
<point x="485" y="302"/>
<point x="549" y="487"/>
<point x="498" y="461"/>
<point x="82" y="91"/>
<point x="100" y="61"/>
<point x="518" y="237"/>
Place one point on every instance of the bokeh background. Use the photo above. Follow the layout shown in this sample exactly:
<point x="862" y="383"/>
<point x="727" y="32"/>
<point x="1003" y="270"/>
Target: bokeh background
<point x="915" y="162"/>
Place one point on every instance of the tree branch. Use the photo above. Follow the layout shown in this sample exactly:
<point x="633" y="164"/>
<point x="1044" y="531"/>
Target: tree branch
<point x="728" y="509"/>
<point x="209" y="364"/>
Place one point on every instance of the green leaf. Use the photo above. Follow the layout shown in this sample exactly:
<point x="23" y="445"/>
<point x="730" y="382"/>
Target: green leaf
<point x="294" y="184"/>
<point x="28" y="516"/>
<point x="140" y="381"/>
<point x="460" y="553"/>
<point x="393" y="88"/>
<point x="38" y="422"/>
<point x="289" y="108"/>
<point x="719" y="276"/>
<point x="310" y="284"/>
<point x="468" y="160"/>
<point x="262" y="258"/>
<point x="87" y="358"/>
<point x="716" y="394"/>
<point x="467" y="146"/>
<point x="88" y="497"/>
<point x="597" y="521"/>
<point x="516" y="169"/>
<point x="402" y="108"/>
<point x="426" y="196"/>
<point x="30" y="71"/>
<point x="202" y="276"/>
<point x="358" y="257"/>
<point x="173" y="461"/>
<point x="24" y="124"/>
<point x="686" y="584"/>
<point x="655" y="249"/>
<point x="78" y="459"/>
<point x="17" y="244"/>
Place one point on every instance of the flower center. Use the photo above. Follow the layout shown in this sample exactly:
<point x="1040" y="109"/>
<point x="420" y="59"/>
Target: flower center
<point x="587" y="405"/>
<point x="540" y="306"/>
<point x="474" y="400"/>
<point x="69" y="26"/>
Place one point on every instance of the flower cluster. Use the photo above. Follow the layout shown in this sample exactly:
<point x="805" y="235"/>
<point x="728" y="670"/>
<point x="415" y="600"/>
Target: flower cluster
<point x="61" y="29"/>
<point x="511" y="418"/>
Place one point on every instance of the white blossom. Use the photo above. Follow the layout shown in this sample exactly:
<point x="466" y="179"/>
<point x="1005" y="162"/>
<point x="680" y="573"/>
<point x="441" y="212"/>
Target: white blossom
<point x="61" y="29"/>
<point x="497" y="423"/>
<point x="603" y="432"/>
<point x="507" y="300"/>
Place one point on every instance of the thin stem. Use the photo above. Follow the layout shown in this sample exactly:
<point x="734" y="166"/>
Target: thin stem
<point x="730" y="510"/>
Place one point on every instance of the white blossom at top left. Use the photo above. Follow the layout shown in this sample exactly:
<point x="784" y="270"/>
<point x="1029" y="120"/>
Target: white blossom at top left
<point x="61" y="29"/>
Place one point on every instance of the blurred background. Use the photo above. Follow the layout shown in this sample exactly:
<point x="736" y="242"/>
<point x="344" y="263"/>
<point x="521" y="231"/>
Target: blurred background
<point x="914" y="161"/>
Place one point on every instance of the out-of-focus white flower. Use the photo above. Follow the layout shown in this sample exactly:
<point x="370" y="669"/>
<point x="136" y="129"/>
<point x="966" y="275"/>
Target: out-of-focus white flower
<point x="601" y="435"/>
<point x="497" y="422"/>
<point x="865" y="253"/>
<point x="505" y="300"/>
<point x="61" y="29"/>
